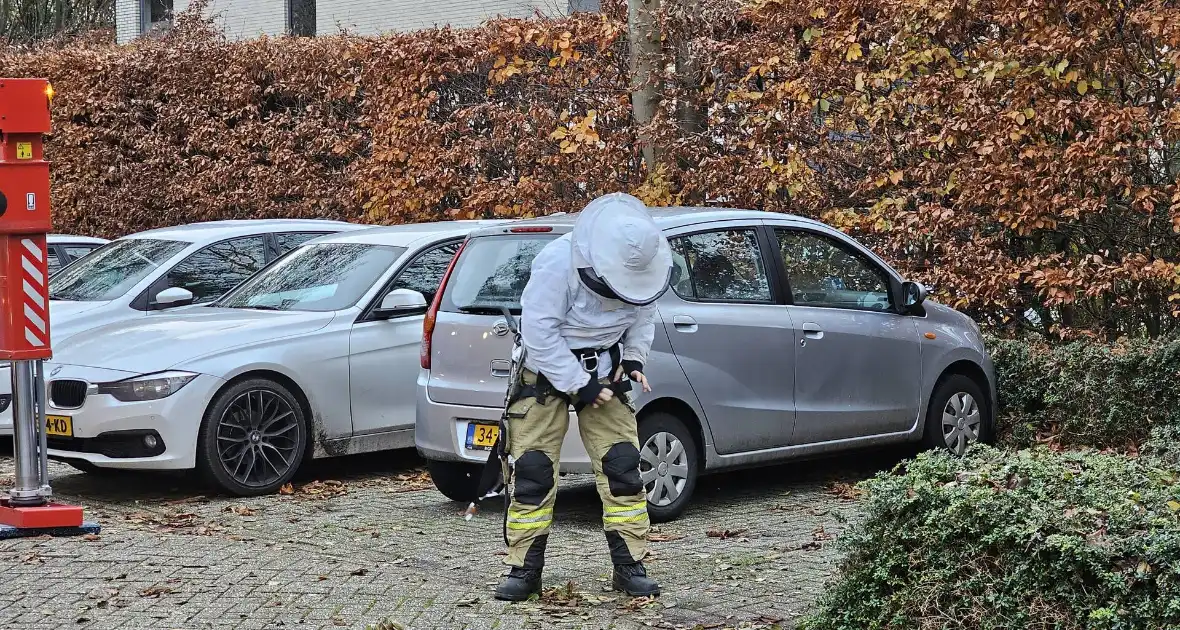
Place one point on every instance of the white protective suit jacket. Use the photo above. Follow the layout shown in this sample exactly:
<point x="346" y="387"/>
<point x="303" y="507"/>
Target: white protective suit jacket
<point x="559" y="314"/>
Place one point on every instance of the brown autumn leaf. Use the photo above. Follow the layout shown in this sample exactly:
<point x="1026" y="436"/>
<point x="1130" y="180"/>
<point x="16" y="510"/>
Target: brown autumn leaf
<point x="240" y="510"/>
<point x="156" y="591"/>
<point x="662" y="537"/>
<point x="321" y="490"/>
<point x="724" y="534"/>
<point x="846" y="491"/>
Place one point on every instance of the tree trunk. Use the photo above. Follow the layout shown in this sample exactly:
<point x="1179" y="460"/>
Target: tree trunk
<point x="690" y="112"/>
<point x="646" y="56"/>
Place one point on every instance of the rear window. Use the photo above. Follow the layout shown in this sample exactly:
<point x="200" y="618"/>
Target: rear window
<point x="491" y="273"/>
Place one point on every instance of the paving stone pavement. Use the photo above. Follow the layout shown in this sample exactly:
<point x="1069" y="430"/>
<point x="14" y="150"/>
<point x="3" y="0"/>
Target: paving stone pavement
<point x="367" y="539"/>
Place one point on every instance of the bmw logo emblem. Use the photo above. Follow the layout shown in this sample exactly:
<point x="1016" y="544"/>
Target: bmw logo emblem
<point x="500" y="329"/>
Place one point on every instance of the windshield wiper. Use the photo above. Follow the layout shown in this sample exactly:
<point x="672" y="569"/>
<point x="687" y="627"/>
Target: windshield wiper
<point x="481" y="309"/>
<point x="263" y="307"/>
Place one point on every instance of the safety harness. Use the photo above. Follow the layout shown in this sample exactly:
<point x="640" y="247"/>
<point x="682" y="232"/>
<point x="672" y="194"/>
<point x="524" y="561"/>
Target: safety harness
<point x="589" y="359"/>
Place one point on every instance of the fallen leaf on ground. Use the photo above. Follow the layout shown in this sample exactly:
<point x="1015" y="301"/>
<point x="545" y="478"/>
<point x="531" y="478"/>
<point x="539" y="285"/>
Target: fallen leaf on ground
<point x="846" y="491"/>
<point x="412" y="481"/>
<point x="819" y="534"/>
<point x="566" y="595"/>
<point x="240" y="510"/>
<point x="360" y="572"/>
<point x="326" y="489"/>
<point x="90" y="537"/>
<point x="197" y="499"/>
<point x="183" y="522"/>
<point x="638" y="603"/>
<point x="659" y="537"/>
<point x="725" y="533"/>
<point x="156" y="591"/>
<point x="287" y="489"/>
<point x="103" y="593"/>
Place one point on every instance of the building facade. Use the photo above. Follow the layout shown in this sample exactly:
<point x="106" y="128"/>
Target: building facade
<point x="252" y="18"/>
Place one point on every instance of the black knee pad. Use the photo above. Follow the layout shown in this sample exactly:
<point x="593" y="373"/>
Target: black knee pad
<point x="621" y="467"/>
<point x="534" y="478"/>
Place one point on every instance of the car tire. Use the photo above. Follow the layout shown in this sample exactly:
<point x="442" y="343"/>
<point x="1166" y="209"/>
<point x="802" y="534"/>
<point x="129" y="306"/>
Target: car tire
<point x="667" y="447"/>
<point x="958" y="403"/>
<point x="457" y="481"/>
<point x="254" y="418"/>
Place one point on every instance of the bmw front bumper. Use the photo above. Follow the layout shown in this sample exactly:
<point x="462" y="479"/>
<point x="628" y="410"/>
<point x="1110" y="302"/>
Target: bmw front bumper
<point x="109" y="433"/>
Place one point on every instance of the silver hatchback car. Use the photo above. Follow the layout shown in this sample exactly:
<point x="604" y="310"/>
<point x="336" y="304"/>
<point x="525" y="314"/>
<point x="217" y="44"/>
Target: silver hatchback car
<point x="781" y="338"/>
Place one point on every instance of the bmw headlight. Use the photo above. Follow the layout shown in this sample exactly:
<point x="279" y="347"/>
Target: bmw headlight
<point x="147" y="387"/>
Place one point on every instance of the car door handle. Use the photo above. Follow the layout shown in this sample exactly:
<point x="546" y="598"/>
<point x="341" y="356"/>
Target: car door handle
<point x="684" y="323"/>
<point x="812" y="331"/>
<point x="501" y="368"/>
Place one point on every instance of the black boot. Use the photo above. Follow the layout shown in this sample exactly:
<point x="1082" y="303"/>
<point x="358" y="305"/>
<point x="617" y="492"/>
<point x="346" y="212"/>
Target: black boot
<point x="632" y="579"/>
<point x="520" y="584"/>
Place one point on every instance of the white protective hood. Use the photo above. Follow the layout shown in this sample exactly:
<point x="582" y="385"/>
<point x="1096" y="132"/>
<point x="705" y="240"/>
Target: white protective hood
<point x="616" y="236"/>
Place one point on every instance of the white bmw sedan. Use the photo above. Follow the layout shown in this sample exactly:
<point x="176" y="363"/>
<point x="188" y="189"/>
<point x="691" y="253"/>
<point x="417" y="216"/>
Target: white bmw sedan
<point x="314" y="356"/>
<point x="144" y="274"/>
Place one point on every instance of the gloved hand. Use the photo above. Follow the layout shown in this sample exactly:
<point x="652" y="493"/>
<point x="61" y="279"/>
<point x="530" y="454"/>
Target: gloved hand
<point x="595" y="394"/>
<point x="634" y="370"/>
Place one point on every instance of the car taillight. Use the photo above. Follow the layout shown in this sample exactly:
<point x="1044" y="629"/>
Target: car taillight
<point x="432" y="312"/>
<point x="531" y="229"/>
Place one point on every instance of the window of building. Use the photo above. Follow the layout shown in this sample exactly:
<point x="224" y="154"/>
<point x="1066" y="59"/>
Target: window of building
<point x="156" y="15"/>
<point x="301" y="18"/>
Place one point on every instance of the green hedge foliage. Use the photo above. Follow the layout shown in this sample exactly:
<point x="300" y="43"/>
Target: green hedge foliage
<point x="1000" y="540"/>
<point x="1087" y="394"/>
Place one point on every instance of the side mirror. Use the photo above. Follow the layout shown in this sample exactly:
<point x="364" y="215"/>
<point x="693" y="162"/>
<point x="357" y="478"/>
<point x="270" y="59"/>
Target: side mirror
<point x="913" y="294"/>
<point x="175" y="296"/>
<point x="400" y="302"/>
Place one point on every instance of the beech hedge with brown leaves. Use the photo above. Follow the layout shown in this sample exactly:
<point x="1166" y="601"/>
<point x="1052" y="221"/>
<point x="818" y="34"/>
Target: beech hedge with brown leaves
<point x="1020" y="156"/>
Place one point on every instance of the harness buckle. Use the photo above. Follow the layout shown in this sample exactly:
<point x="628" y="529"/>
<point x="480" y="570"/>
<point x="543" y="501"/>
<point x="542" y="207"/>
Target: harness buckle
<point x="589" y="362"/>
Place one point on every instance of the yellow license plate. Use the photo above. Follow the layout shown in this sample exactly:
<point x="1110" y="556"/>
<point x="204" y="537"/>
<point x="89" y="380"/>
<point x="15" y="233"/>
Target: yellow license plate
<point x="59" y="425"/>
<point x="482" y="436"/>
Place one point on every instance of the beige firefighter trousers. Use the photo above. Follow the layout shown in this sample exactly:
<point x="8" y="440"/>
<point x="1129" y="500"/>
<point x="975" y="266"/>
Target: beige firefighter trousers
<point x="535" y="434"/>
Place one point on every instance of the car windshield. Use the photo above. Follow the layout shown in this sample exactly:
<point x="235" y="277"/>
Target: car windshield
<point x="320" y="277"/>
<point x="492" y="272"/>
<point x="111" y="271"/>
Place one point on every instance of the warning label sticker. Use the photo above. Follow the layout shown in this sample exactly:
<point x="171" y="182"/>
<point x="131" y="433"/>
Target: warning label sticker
<point x="24" y="150"/>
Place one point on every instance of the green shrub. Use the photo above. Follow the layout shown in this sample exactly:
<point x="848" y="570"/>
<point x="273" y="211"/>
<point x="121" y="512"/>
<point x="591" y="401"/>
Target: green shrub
<point x="1163" y="448"/>
<point x="1000" y="540"/>
<point x="1086" y="393"/>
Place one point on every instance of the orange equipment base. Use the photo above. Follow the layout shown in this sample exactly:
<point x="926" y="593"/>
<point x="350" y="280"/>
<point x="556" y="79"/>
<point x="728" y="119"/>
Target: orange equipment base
<point x="40" y="517"/>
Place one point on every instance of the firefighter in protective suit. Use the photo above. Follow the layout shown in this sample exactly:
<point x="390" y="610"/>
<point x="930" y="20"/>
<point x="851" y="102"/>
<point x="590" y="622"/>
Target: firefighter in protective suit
<point x="587" y="325"/>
